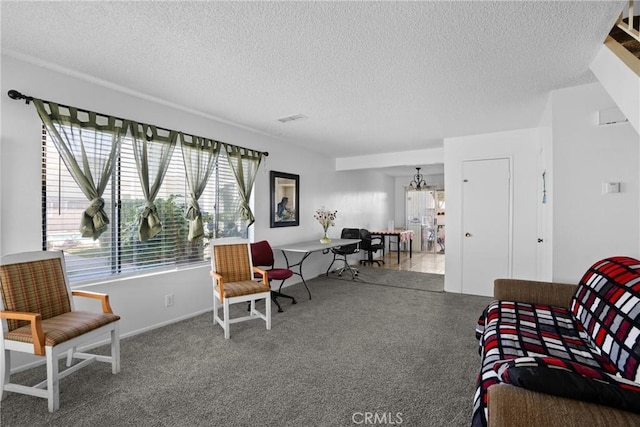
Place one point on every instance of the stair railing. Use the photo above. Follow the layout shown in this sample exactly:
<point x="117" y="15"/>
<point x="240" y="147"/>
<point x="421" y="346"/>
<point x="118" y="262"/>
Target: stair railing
<point x="628" y="27"/>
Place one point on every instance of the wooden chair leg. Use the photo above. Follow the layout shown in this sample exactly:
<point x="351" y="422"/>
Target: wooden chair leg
<point x="5" y="373"/>
<point x="53" y="383"/>
<point x="215" y="309"/>
<point x="268" y="311"/>
<point x="115" y="349"/>
<point x="225" y="325"/>
<point x="70" y="356"/>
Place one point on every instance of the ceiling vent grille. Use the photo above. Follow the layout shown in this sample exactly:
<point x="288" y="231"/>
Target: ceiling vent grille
<point x="292" y="118"/>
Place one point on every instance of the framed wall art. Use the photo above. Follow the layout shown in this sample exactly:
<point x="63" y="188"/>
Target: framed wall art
<point x="285" y="198"/>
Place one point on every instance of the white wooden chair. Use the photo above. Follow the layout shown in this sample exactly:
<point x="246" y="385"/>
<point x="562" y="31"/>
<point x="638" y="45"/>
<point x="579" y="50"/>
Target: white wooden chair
<point x="232" y="273"/>
<point x="38" y="317"/>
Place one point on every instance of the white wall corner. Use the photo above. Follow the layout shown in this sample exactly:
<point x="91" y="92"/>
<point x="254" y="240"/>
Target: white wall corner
<point x="620" y="81"/>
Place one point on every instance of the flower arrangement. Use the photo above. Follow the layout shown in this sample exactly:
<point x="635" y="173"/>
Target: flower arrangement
<point x="326" y="219"/>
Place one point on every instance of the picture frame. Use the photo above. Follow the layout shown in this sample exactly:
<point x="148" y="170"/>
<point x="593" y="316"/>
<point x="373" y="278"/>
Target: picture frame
<point x="285" y="199"/>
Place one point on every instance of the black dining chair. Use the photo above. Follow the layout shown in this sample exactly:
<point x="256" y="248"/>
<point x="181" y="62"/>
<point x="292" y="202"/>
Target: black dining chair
<point x="371" y="244"/>
<point x="341" y="253"/>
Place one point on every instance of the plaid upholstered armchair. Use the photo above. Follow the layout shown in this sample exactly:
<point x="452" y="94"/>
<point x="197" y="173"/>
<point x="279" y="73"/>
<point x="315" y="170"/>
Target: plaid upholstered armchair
<point x="38" y="317"/>
<point x="232" y="273"/>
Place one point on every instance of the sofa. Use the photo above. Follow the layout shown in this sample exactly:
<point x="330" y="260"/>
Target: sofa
<point x="562" y="354"/>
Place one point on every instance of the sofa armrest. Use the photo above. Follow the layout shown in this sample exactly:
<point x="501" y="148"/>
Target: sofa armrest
<point x="515" y="406"/>
<point x="529" y="291"/>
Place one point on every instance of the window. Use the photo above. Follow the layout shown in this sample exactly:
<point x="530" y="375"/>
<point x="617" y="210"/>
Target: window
<point x="118" y="251"/>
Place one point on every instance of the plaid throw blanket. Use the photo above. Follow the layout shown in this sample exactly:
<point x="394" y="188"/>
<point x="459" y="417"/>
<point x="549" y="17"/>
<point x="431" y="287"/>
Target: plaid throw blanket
<point x="607" y="305"/>
<point x="510" y="330"/>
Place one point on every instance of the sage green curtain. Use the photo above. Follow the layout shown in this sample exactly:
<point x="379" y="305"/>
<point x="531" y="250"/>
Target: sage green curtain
<point x="199" y="155"/>
<point x="152" y="149"/>
<point x="88" y="144"/>
<point x="244" y="163"/>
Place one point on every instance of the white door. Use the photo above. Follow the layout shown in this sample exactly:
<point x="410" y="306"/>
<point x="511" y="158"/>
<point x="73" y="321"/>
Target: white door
<point x="486" y="224"/>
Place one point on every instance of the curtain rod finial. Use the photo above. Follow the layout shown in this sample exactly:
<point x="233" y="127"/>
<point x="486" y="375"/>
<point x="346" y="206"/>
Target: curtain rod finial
<point x="266" y="154"/>
<point x="14" y="94"/>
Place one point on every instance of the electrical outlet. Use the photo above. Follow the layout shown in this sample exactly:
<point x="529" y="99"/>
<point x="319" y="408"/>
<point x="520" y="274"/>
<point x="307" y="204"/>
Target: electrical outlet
<point x="168" y="300"/>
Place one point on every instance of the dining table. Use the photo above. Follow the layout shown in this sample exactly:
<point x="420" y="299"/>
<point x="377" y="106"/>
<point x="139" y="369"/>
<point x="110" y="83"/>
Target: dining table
<point x="402" y="236"/>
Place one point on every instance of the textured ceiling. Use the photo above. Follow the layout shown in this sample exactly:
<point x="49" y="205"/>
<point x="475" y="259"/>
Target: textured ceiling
<point x="371" y="77"/>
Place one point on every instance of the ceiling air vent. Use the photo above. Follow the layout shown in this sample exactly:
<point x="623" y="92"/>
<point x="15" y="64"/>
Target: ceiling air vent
<point x="292" y="118"/>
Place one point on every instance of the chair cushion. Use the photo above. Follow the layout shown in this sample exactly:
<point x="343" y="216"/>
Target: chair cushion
<point x="573" y="380"/>
<point x="607" y="305"/>
<point x="64" y="327"/>
<point x="279" y="273"/>
<point x="275" y="274"/>
<point x="245" y="287"/>
<point x="34" y="287"/>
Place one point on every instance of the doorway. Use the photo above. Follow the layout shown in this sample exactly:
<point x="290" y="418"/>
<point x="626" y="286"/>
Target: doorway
<point x="425" y="216"/>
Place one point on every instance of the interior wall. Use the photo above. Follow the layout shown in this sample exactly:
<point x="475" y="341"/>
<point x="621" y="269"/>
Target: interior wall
<point x="587" y="224"/>
<point x="361" y="198"/>
<point x="545" y="190"/>
<point x="522" y="147"/>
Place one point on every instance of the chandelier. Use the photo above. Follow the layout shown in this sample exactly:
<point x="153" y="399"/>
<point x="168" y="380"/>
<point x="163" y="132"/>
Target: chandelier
<point x="418" y="182"/>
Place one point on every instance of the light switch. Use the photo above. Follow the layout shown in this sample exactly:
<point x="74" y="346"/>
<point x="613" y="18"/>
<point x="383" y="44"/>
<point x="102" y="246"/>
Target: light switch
<point x="610" y="187"/>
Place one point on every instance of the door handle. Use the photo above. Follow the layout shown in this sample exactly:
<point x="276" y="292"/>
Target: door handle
<point x="467" y="234"/>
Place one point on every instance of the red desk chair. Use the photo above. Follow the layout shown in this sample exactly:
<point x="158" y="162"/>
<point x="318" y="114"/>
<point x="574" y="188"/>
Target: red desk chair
<point x="262" y="255"/>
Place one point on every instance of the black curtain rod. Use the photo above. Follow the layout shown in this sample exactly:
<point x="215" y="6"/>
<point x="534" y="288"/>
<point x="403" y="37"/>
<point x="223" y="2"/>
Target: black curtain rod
<point x="15" y="95"/>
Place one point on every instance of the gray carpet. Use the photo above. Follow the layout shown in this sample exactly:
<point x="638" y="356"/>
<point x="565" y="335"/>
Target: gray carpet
<point x="395" y="278"/>
<point x="355" y="348"/>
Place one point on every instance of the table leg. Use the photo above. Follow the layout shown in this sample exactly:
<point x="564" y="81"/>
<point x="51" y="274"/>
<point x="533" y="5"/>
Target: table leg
<point x="410" y="248"/>
<point x="398" y="247"/>
<point x="299" y="272"/>
<point x="384" y="245"/>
